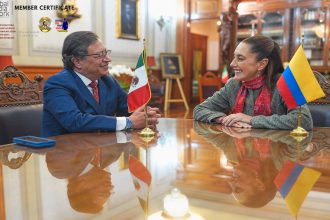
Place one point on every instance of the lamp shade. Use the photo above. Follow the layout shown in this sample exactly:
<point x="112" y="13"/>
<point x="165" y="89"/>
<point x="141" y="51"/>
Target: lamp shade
<point x="151" y="61"/>
<point x="5" y="61"/>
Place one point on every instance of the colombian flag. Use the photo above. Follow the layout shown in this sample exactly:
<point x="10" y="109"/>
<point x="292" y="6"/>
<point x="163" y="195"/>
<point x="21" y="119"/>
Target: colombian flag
<point x="294" y="182"/>
<point x="139" y="92"/>
<point x="298" y="84"/>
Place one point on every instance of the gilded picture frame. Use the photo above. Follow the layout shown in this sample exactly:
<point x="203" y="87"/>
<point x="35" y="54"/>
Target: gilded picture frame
<point x="128" y="19"/>
<point x="171" y="65"/>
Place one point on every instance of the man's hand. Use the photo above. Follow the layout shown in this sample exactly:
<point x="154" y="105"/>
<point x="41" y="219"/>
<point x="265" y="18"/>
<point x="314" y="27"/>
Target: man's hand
<point x="153" y="116"/>
<point x="138" y="117"/>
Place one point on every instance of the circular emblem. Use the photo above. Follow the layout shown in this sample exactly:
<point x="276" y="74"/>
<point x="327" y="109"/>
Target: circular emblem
<point x="135" y="81"/>
<point x="44" y="24"/>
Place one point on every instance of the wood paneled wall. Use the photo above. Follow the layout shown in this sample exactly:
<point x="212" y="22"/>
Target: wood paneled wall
<point x="182" y="43"/>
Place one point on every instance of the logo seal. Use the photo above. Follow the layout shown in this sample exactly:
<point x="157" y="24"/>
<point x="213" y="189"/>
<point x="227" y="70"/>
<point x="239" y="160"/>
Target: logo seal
<point x="44" y="24"/>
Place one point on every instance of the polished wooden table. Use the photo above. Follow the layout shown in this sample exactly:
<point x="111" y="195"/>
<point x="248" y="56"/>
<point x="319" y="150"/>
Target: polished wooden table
<point x="226" y="173"/>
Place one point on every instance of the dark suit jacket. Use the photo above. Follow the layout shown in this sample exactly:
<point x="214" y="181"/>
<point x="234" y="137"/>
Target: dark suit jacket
<point x="70" y="107"/>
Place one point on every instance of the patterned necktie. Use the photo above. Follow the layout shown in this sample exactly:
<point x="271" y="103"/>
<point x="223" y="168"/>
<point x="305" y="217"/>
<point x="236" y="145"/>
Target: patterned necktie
<point x="93" y="85"/>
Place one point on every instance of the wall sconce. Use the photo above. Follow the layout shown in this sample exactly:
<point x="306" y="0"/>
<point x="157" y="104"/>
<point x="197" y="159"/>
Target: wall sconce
<point x="219" y="25"/>
<point x="188" y="20"/>
<point x="163" y="20"/>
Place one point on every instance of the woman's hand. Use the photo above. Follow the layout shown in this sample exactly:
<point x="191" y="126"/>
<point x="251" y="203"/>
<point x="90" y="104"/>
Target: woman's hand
<point x="219" y="120"/>
<point x="237" y="132"/>
<point x="242" y="125"/>
<point x="237" y="120"/>
<point x="238" y="124"/>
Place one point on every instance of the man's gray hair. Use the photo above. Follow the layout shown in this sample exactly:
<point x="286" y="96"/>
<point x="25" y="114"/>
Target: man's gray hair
<point x="76" y="45"/>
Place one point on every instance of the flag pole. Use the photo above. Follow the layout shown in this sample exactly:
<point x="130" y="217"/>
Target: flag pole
<point x="147" y="140"/>
<point x="146" y="132"/>
<point x="147" y="162"/>
<point x="144" y="55"/>
<point x="300" y="133"/>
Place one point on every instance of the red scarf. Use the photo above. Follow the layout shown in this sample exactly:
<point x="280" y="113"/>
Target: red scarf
<point x="260" y="145"/>
<point x="248" y="160"/>
<point x="262" y="103"/>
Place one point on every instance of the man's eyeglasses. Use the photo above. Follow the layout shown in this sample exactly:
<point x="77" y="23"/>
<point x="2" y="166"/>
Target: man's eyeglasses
<point x="101" y="55"/>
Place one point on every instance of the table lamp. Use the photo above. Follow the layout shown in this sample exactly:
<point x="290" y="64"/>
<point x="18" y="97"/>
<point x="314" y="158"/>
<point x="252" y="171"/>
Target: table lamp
<point x="175" y="206"/>
<point x="151" y="62"/>
<point x="5" y="61"/>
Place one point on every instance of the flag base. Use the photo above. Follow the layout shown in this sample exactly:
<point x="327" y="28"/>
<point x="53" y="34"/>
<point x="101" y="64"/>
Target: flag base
<point x="299" y="133"/>
<point x="147" y="133"/>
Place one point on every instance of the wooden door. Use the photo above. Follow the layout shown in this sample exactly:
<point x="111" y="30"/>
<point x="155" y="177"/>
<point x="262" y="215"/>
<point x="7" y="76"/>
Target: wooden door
<point x="197" y="56"/>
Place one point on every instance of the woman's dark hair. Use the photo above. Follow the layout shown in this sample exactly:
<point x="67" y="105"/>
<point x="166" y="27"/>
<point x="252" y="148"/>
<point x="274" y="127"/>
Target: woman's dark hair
<point x="265" y="47"/>
<point x="76" y="45"/>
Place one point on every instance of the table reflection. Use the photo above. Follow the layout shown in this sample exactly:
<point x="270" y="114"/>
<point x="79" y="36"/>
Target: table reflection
<point x="253" y="158"/>
<point x="89" y="184"/>
<point x="12" y="157"/>
<point x="234" y="169"/>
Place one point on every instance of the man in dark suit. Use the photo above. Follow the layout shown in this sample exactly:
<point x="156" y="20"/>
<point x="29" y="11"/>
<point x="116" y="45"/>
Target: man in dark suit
<point x="83" y="97"/>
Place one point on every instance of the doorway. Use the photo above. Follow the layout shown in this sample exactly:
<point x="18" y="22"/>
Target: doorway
<point x="198" y="57"/>
<point x="203" y="52"/>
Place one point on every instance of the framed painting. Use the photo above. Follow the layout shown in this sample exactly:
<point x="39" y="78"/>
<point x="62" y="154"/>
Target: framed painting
<point x="171" y="65"/>
<point x="128" y="16"/>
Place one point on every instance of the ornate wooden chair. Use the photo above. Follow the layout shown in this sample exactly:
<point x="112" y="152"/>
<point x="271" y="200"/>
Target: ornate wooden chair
<point x="209" y="83"/>
<point x="320" y="108"/>
<point x="20" y="105"/>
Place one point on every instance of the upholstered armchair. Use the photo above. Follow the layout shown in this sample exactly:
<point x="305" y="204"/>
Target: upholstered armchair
<point x="320" y="108"/>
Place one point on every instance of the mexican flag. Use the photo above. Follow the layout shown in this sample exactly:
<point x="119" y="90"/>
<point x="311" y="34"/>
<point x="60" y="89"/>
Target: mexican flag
<point x="141" y="179"/>
<point x="139" y="92"/>
<point x="224" y="77"/>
